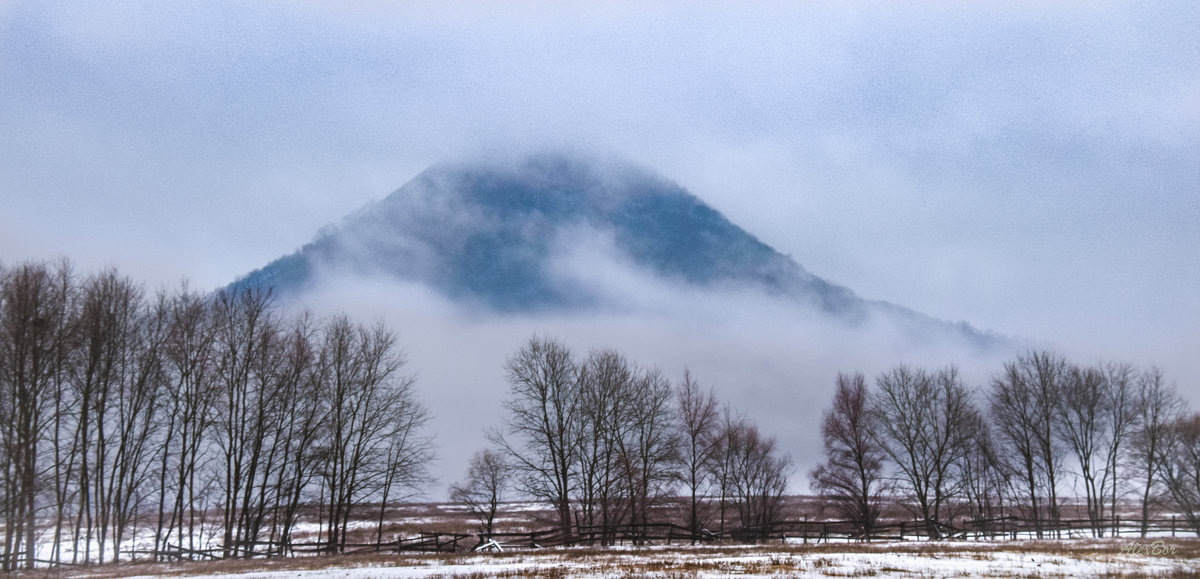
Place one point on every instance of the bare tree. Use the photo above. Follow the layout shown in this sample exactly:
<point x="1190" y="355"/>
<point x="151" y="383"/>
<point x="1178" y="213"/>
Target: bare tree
<point x="303" y="411"/>
<point x="1158" y="408"/>
<point x="1012" y="413"/>
<point x="725" y="450"/>
<point x="607" y="402"/>
<point x="244" y="335"/>
<point x="697" y="419"/>
<point x="1023" y="402"/>
<point x="104" y="368"/>
<point x="7" y="432"/>
<point x="1181" y="467"/>
<point x="137" y="404"/>
<point x="64" y="452"/>
<point x="1046" y="374"/>
<point x="1096" y="413"/>
<point x="1121" y="406"/>
<point x="408" y="450"/>
<point x="650" y="449"/>
<point x="270" y="394"/>
<point x="852" y="474"/>
<point x="1083" y="423"/>
<point x="483" y="490"/>
<point x="925" y="425"/>
<point x="373" y="421"/>
<point x="111" y="405"/>
<point x="748" y="473"/>
<point x="188" y="355"/>
<point x="986" y="480"/>
<point x="758" y="477"/>
<point x="33" y="331"/>
<point x="541" y="427"/>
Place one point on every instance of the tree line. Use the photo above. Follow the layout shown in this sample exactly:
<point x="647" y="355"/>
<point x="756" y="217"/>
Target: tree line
<point x="926" y="441"/>
<point x="184" y="413"/>
<point x="121" y="409"/>
<point x="605" y="441"/>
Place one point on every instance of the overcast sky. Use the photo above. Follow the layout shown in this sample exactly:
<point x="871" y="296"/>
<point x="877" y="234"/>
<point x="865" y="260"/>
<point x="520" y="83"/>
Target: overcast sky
<point x="1032" y="169"/>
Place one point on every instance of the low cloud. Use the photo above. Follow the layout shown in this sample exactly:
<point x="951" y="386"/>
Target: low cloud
<point x="771" y="358"/>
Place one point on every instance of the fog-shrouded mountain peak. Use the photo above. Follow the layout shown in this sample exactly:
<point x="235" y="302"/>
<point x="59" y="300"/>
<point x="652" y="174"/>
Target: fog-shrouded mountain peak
<point x="496" y="234"/>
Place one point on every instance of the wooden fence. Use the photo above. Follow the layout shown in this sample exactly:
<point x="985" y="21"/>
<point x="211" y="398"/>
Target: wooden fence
<point x="806" y="531"/>
<point x="422" y="542"/>
<point x="997" y="528"/>
<point x="810" y="531"/>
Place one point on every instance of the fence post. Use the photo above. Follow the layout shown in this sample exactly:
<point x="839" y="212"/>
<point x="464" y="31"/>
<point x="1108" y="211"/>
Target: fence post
<point x="901" y="530"/>
<point x="1172" y="526"/>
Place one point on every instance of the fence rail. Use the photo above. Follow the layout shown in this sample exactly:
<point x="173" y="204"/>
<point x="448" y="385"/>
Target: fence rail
<point x="423" y="542"/>
<point x="997" y="528"/>
<point x="817" y="531"/>
<point x="806" y="531"/>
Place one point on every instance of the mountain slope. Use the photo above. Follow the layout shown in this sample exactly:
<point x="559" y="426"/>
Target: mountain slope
<point x="492" y="234"/>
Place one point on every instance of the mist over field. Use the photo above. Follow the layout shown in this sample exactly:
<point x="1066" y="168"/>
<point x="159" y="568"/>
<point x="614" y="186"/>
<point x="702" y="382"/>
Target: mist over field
<point x="766" y="358"/>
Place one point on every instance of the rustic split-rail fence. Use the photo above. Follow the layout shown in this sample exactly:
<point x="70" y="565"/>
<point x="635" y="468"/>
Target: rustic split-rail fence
<point x="796" y="531"/>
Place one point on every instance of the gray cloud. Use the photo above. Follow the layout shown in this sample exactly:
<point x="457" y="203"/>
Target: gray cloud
<point x="767" y="358"/>
<point x="1028" y="168"/>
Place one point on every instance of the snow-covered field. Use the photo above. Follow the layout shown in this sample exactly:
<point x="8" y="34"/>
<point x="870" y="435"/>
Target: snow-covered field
<point x="1070" y="556"/>
<point x="1077" y="558"/>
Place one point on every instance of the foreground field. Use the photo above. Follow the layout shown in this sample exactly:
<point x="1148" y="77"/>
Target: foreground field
<point x="1075" y="558"/>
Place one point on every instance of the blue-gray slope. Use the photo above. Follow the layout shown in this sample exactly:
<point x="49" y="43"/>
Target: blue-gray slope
<point x="487" y="233"/>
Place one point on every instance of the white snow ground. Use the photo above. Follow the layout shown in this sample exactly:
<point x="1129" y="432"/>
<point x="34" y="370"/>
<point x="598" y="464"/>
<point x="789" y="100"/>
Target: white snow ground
<point x="987" y="560"/>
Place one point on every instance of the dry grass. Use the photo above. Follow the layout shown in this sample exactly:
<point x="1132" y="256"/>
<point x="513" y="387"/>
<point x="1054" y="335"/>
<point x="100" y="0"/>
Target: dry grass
<point x="110" y="571"/>
<point x="826" y="559"/>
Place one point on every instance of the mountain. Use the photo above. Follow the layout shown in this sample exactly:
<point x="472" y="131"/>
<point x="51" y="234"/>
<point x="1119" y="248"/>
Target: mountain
<point x="492" y="234"/>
